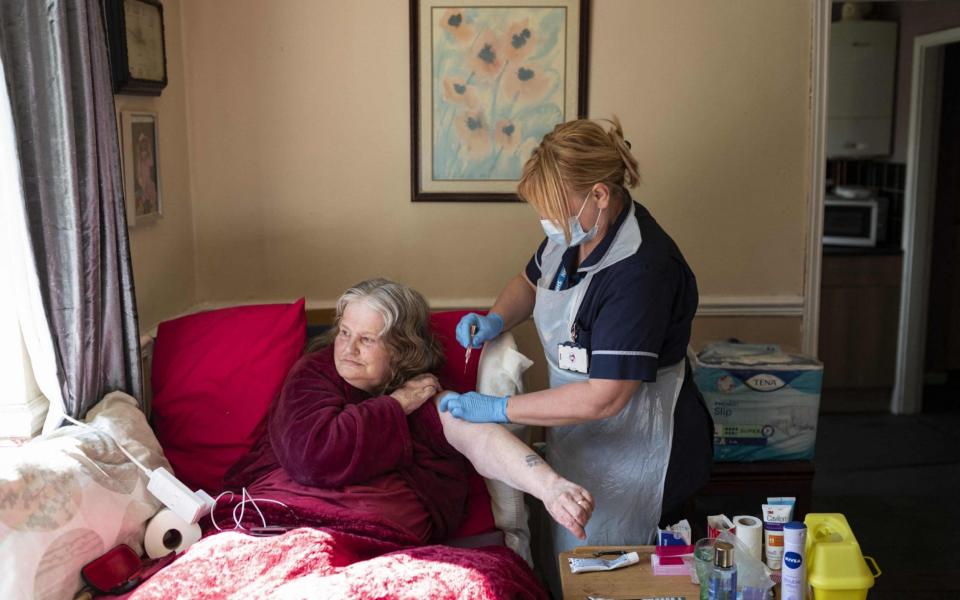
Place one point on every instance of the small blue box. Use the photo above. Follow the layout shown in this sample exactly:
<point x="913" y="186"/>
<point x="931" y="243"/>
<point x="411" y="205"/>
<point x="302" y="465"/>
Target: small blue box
<point x="764" y="402"/>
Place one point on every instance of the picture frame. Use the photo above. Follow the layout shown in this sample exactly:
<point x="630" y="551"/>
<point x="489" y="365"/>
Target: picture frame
<point x="137" y="45"/>
<point x="140" y="154"/>
<point x="488" y="80"/>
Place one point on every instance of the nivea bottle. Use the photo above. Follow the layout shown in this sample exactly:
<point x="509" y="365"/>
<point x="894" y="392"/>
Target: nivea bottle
<point x="723" y="577"/>
<point x="793" y="582"/>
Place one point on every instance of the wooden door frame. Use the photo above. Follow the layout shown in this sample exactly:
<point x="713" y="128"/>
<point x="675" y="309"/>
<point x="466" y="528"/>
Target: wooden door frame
<point x="918" y="201"/>
<point x="819" y="56"/>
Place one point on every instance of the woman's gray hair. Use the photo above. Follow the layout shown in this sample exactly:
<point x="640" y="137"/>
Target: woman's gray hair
<point x="414" y="349"/>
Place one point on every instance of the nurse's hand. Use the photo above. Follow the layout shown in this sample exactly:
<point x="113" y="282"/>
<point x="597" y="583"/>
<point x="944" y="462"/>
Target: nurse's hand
<point x="476" y="408"/>
<point x="488" y="327"/>
<point x="570" y="505"/>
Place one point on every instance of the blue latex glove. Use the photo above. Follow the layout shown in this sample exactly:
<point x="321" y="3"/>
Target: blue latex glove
<point x="488" y="327"/>
<point x="476" y="408"/>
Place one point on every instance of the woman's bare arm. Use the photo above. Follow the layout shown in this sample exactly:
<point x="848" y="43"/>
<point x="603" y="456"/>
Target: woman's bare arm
<point x="515" y="302"/>
<point x="498" y="454"/>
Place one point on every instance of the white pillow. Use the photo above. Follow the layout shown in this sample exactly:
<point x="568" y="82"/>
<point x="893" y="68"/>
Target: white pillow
<point x="69" y="496"/>
<point x="500" y="373"/>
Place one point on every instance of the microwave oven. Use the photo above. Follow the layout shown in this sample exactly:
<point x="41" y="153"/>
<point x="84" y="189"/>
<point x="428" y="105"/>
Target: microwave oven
<point x="852" y="222"/>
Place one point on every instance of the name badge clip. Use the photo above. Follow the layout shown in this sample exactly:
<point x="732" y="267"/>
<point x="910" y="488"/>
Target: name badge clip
<point x="572" y="357"/>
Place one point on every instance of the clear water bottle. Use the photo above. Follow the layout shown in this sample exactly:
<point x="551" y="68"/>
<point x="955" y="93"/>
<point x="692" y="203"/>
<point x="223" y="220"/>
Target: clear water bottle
<point x="723" y="577"/>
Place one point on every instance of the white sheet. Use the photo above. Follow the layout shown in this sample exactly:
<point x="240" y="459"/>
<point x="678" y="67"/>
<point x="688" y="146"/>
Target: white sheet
<point x="69" y="496"/>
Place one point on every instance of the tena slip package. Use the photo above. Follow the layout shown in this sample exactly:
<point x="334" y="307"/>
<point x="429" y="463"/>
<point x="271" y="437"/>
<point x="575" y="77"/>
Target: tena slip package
<point x="764" y="401"/>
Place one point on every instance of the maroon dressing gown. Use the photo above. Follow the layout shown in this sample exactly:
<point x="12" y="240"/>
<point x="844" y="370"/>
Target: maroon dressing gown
<point x="329" y="442"/>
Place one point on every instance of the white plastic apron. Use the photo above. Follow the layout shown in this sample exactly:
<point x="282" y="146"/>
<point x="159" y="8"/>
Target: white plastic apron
<point x="621" y="460"/>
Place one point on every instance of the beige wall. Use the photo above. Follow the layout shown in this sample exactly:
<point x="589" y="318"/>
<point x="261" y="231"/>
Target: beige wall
<point x="299" y="125"/>
<point x="300" y="129"/>
<point x="163" y="250"/>
<point x="714" y="97"/>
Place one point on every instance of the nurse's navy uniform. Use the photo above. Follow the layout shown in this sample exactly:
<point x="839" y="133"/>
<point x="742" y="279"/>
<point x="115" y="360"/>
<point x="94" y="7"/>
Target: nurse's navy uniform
<point x="630" y="305"/>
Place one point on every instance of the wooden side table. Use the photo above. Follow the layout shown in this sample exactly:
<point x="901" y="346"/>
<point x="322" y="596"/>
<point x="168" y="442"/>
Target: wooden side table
<point x="635" y="581"/>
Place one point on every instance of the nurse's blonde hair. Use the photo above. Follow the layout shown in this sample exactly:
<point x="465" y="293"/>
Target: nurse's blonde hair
<point x="575" y="156"/>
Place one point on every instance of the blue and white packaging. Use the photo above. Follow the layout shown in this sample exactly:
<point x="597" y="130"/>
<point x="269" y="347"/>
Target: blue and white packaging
<point x="764" y="402"/>
<point x="678" y="534"/>
<point x="793" y="578"/>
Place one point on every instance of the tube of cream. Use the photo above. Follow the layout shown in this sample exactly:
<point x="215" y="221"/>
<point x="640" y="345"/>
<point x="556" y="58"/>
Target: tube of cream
<point x="776" y="512"/>
<point x="586" y="565"/>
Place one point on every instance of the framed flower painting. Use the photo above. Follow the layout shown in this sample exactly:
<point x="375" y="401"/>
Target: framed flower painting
<point x="488" y="80"/>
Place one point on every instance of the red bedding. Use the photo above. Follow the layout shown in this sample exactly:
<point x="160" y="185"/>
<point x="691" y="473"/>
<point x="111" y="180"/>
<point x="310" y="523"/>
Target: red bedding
<point x="332" y="551"/>
<point x="336" y="555"/>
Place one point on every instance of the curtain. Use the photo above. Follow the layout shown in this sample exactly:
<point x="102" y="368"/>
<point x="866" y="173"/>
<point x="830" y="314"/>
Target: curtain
<point x="58" y="80"/>
<point x="27" y="360"/>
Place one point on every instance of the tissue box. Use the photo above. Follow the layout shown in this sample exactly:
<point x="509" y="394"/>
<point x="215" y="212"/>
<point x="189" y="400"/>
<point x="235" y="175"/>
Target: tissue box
<point x="764" y="402"/>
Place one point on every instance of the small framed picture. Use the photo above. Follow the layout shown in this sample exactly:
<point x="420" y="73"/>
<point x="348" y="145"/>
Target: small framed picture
<point x="141" y="167"/>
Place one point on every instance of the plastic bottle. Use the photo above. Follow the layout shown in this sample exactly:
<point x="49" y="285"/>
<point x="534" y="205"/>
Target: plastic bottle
<point x="723" y="577"/>
<point x="793" y="583"/>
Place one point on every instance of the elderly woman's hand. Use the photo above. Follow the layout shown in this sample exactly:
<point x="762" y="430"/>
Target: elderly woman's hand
<point x="412" y="394"/>
<point x="570" y="505"/>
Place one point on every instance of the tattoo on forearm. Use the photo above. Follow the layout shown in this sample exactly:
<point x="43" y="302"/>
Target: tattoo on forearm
<point x="533" y="460"/>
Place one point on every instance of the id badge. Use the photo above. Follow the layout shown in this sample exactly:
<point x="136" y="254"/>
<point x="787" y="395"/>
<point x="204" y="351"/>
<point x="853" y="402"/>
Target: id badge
<point x="572" y="357"/>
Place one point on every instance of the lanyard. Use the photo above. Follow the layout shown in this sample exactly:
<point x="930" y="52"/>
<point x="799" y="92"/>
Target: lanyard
<point x="561" y="279"/>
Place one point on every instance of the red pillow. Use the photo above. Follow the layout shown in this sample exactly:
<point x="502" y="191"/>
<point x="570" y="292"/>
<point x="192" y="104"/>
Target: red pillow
<point x="214" y="376"/>
<point x="452" y="376"/>
<point x="479" y="514"/>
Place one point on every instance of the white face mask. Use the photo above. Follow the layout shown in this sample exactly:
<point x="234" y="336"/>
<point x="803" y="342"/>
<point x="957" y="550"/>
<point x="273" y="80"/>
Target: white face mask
<point x="577" y="234"/>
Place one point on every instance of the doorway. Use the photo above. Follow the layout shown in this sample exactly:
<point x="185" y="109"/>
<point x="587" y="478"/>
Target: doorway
<point x="930" y="223"/>
<point x="942" y="362"/>
<point x="874" y="306"/>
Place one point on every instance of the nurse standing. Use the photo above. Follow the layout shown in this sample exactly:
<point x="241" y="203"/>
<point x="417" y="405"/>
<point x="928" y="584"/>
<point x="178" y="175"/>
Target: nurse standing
<point x="613" y="300"/>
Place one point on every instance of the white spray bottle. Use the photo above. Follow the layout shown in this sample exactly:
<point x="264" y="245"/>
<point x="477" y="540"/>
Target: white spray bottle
<point x="793" y="577"/>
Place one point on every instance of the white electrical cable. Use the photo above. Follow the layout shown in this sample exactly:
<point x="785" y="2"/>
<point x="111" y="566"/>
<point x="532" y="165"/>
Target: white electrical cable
<point x="119" y="445"/>
<point x="245" y="497"/>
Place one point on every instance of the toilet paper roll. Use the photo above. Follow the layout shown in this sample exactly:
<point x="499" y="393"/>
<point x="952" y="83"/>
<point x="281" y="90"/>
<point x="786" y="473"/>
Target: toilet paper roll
<point x="750" y="532"/>
<point x="166" y="533"/>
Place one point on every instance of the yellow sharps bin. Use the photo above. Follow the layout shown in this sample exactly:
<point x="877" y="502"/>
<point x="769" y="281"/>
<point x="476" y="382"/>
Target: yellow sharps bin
<point x="836" y="570"/>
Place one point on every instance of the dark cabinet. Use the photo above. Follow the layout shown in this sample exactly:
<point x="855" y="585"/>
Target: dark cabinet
<point x="859" y="315"/>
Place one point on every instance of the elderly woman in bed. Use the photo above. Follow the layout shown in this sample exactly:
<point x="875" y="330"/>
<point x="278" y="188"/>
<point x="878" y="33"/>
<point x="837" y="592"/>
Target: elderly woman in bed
<point x="356" y="426"/>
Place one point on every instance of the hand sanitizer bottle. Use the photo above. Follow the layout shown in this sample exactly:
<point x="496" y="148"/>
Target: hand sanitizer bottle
<point x="723" y="578"/>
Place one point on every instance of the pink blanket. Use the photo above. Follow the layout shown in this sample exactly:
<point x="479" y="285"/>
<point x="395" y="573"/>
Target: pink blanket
<point x="338" y="556"/>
